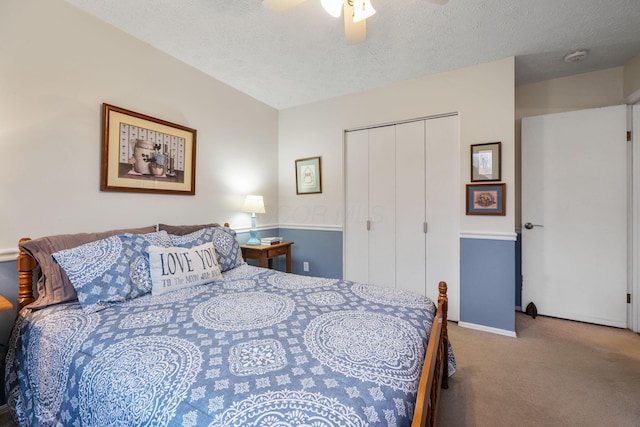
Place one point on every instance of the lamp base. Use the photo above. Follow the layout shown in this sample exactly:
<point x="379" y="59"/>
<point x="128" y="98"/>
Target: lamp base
<point x="253" y="242"/>
<point x="253" y="233"/>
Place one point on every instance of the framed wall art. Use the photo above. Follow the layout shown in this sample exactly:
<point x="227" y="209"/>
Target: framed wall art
<point x="486" y="199"/>
<point x="309" y="175"/>
<point x="485" y="162"/>
<point x="146" y="155"/>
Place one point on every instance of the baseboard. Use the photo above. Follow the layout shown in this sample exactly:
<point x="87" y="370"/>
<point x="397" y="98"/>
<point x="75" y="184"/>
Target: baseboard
<point x="488" y="329"/>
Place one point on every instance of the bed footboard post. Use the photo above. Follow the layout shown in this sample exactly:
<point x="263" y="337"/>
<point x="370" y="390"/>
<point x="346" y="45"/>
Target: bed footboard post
<point x="442" y="288"/>
<point x="25" y="265"/>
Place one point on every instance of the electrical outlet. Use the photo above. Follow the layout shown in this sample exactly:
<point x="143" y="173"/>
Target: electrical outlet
<point x="305" y="266"/>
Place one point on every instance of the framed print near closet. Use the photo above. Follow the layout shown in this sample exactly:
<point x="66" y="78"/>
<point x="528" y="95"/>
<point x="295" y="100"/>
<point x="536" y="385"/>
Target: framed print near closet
<point x="485" y="162"/>
<point x="308" y="176"/>
<point x="486" y="199"/>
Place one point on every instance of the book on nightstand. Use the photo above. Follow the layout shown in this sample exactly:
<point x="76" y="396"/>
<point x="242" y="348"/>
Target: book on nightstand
<point x="271" y="240"/>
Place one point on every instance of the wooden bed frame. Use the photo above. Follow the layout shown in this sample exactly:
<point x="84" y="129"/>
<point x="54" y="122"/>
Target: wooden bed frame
<point x="435" y="371"/>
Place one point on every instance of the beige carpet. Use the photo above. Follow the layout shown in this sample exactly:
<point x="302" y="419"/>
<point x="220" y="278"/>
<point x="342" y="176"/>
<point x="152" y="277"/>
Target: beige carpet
<point x="556" y="373"/>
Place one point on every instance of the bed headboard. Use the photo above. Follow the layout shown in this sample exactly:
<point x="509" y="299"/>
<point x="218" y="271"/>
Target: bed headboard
<point x="25" y="265"/>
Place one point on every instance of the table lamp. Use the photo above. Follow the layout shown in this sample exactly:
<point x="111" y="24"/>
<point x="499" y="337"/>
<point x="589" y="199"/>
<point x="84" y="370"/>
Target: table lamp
<point x="253" y="205"/>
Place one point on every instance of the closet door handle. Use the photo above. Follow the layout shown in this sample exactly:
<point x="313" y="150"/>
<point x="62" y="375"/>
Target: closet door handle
<point x="424" y="227"/>
<point x="368" y="225"/>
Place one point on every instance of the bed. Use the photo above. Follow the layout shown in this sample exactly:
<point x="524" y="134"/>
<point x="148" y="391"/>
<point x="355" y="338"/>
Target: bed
<point x="245" y="346"/>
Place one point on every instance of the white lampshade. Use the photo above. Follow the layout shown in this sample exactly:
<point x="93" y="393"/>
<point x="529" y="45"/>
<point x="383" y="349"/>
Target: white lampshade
<point x="253" y="204"/>
<point x="362" y="9"/>
<point x="332" y="7"/>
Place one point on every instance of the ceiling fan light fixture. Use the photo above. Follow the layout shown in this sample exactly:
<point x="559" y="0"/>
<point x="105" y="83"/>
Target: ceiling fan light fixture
<point x="362" y="9"/>
<point x="332" y="7"/>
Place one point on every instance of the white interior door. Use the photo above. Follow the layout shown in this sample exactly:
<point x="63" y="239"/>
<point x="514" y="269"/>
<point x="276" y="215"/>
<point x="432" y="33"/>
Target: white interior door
<point x="574" y="196"/>
<point x="634" y="285"/>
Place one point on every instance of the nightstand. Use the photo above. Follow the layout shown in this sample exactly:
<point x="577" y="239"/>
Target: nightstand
<point x="266" y="253"/>
<point x="5" y="304"/>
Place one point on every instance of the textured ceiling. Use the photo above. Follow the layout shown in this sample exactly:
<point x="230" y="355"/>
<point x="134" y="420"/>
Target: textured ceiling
<point x="298" y="56"/>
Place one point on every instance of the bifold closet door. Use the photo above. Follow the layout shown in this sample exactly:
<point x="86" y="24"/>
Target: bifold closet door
<point x="410" y="206"/>
<point x="443" y="209"/>
<point x="382" y="206"/>
<point x="356" y="236"/>
<point x="370" y="218"/>
<point x="403" y="181"/>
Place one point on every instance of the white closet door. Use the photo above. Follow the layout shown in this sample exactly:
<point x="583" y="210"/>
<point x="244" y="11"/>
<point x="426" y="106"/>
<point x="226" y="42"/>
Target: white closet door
<point x="382" y="206"/>
<point x="442" y="209"/>
<point x="410" y="205"/>
<point x="356" y="236"/>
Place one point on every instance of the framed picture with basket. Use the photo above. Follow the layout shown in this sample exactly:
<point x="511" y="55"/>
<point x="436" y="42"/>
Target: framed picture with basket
<point x="146" y="155"/>
<point x="486" y="199"/>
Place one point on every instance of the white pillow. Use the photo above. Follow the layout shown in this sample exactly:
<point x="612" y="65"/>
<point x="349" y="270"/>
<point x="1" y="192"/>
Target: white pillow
<point x="177" y="268"/>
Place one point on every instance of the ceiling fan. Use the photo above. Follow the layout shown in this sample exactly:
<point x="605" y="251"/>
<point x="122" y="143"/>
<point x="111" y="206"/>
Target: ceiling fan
<point x="355" y="13"/>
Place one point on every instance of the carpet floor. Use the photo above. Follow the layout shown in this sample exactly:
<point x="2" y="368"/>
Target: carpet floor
<point x="556" y="373"/>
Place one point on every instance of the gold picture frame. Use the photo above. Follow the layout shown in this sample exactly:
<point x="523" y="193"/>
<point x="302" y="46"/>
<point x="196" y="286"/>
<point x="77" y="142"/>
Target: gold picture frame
<point x="309" y="175"/>
<point x="143" y="154"/>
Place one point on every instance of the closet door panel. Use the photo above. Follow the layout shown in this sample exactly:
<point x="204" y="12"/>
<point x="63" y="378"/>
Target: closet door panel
<point x="382" y="203"/>
<point x="410" y="206"/>
<point x="356" y="246"/>
<point x="442" y="208"/>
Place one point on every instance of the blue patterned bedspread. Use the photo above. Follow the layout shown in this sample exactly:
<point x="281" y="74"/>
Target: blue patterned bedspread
<point x="260" y="348"/>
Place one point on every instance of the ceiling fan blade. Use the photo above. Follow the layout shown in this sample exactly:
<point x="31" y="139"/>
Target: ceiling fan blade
<point x="280" y="5"/>
<point x="354" y="32"/>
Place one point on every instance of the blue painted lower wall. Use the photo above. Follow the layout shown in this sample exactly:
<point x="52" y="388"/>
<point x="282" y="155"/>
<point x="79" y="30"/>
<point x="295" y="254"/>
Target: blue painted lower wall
<point x="487" y="288"/>
<point x="8" y="289"/>
<point x="322" y="249"/>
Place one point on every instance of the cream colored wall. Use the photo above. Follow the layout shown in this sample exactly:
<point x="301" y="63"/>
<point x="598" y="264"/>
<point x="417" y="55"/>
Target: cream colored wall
<point x="578" y="92"/>
<point x="58" y="66"/>
<point x="483" y="96"/>
<point x="632" y="76"/>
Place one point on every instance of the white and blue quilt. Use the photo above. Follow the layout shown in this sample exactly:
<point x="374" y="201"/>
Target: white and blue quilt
<point x="258" y="348"/>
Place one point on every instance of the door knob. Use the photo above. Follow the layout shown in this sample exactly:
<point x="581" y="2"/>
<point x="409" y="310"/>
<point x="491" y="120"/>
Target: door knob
<point x="529" y="226"/>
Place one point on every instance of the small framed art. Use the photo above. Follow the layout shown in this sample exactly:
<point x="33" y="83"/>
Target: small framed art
<point x="309" y="175"/>
<point x="486" y="199"/>
<point x="146" y="155"/>
<point x="485" y="162"/>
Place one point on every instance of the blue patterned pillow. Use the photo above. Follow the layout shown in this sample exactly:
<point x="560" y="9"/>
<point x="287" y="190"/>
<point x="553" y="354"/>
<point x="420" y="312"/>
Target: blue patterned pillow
<point x="224" y="240"/>
<point x="111" y="270"/>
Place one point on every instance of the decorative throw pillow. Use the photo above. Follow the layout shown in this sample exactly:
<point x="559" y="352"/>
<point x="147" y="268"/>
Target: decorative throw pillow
<point x="111" y="270"/>
<point x="53" y="284"/>
<point x="223" y="238"/>
<point x="177" y="268"/>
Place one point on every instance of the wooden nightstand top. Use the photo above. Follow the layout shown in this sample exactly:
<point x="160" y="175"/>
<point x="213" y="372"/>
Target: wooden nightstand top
<point x="265" y="253"/>
<point x="5" y="304"/>
<point x="266" y="247"/>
